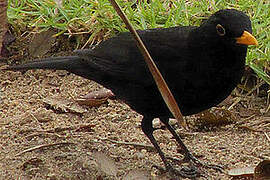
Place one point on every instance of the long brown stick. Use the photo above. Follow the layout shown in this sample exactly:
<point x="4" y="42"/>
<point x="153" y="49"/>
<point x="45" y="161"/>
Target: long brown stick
<point x="162" y="86"/>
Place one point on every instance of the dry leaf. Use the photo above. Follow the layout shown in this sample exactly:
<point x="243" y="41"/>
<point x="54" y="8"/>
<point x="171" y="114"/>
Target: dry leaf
<point x="262" y="170"/>
<point x="137" y="174"/>
<point x="100" y="94"/>
<point x="64" y="105"/>
<point x="95" y="98"/>
<point x="105" y="163"/>
<point x="42" y="43"/>
<point x="215" y="117"/>
<point x="43" y="115"/>
<point x="241" y="172"/>
<point x="91" y="102"/>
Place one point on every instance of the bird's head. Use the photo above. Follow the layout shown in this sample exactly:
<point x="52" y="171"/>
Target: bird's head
<point x="231" y="26"/>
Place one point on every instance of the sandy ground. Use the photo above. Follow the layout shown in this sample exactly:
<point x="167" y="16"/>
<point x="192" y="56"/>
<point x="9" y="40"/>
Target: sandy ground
<point x="38" y="142"/>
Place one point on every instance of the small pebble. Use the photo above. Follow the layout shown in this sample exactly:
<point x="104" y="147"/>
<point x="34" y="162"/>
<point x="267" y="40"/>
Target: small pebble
<point x="173" y="122"/>
<point x="156" y="123"/>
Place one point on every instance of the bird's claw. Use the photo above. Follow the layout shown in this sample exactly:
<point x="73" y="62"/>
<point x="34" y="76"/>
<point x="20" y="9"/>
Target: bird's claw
<point x="197" y="163"/>
<point x="193" y="170"/>
<point x="186" y="172"/>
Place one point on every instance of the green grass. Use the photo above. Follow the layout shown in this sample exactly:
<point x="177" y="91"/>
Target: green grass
<point x="98" y="18"/>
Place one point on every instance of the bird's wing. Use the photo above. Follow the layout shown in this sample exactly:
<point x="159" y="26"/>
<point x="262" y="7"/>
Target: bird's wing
<point x="120" y="57"/>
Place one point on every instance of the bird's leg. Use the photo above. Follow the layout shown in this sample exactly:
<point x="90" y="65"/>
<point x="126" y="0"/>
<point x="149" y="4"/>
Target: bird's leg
<point x="188" y="155"/>
<point x="148" y="131"/>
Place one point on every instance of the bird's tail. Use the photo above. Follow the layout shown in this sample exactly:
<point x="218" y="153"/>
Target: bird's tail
<point x="57" y="63"/>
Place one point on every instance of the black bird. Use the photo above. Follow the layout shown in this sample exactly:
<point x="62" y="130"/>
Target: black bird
<point x="201" y="65"/>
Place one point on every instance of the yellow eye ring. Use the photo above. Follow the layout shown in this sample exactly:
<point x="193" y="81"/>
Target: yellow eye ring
<point x="220" y="30"/>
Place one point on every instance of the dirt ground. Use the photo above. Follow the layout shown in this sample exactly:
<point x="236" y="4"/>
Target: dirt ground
<point x="38" y="141"/>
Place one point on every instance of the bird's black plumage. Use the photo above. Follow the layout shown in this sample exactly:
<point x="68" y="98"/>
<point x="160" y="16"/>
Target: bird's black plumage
<point x="201" y="65"/>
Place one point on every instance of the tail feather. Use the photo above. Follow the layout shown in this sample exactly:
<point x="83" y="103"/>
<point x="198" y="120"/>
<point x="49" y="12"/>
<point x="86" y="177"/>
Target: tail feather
<point x="73" y="64"/>
<point x="57" y="63"/>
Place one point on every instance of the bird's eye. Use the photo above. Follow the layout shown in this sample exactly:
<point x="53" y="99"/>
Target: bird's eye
<point x="220" y="30"/>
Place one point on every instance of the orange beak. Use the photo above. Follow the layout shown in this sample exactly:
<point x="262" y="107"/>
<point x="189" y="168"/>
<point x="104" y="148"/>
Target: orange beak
<point x="247" y="39"/>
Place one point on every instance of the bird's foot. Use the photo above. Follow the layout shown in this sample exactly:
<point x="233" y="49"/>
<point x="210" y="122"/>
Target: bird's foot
<point x="192" y="170"/>
<point x="197" y="163"/>
<point x="185" y="172"/>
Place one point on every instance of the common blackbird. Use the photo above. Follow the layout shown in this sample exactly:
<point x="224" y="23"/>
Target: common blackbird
<point x="201" y="65"/>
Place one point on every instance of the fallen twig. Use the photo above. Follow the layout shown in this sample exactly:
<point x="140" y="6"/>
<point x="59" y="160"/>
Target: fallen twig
<point x="43" y="146"/>
<point x="250" y="128"/>
<point x="149" y="147"/>
<point x="261" y="122"/>
<point x="60" y="129"/>
<point x="43" y="133"/>
<point x="254" y="88"/>
<point x="267" y="136"/>
<point x="244" y="120"/>
<point x="238" y="99"/>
